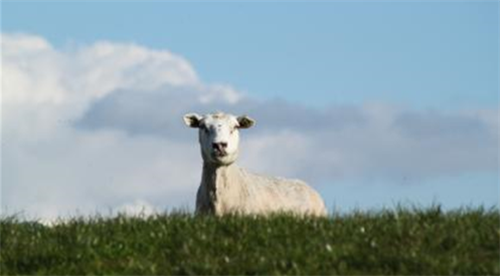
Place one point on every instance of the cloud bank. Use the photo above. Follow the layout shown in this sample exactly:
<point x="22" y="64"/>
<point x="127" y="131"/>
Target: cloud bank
<point x="98" y="127"/>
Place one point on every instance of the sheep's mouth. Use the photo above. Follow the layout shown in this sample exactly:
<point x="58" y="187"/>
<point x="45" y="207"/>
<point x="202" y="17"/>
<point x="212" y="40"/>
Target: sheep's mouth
<point x="219" y="154"/>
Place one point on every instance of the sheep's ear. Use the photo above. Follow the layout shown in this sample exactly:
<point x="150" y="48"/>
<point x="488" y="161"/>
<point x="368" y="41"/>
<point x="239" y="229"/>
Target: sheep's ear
<point x="192" y="120"/>
<point x="245" y="121"/>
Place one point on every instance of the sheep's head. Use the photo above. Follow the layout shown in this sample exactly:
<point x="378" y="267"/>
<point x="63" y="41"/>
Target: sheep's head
<point x="218" y="135"/>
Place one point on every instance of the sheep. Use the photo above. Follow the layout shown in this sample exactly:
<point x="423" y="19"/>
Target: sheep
<point x="226" y="188"/>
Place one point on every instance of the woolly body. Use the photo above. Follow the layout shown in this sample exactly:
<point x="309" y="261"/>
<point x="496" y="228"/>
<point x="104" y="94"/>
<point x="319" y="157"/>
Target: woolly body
<point x="226" y="188"/>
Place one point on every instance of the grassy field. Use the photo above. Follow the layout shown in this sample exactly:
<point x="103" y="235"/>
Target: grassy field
<point x="401" y="241"/>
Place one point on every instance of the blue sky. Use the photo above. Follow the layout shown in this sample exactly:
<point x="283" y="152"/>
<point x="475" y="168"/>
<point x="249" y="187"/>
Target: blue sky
<point x="421" y="54"/>
<point x="373" y="102"/>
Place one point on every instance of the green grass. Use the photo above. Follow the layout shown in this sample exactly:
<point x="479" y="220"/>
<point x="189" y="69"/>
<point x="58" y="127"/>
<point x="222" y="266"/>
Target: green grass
<point x="401" y="241"/>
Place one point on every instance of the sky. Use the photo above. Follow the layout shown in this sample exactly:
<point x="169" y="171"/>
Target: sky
<point x="372" y="103"/>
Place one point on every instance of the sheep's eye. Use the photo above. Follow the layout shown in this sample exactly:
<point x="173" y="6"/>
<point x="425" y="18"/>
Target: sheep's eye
<point x="204" y="128"/>
<point x="232" y="130"/>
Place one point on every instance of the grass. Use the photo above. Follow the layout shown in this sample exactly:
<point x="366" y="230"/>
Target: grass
<point x="401" y="241"/>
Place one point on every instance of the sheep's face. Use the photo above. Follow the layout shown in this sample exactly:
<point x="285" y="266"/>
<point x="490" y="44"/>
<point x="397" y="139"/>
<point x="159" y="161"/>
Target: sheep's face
<point x="218" y="135"/>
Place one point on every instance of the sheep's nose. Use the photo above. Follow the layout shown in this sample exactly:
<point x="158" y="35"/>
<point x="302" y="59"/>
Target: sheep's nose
<point x="220" y="146"/>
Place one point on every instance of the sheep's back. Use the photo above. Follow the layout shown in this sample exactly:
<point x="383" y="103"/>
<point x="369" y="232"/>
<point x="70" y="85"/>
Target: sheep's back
<point x="280" y="194"/>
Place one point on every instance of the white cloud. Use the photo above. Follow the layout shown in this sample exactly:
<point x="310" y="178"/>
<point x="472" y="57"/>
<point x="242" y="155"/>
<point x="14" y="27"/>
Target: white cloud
<point x="99" y="128"/>
<point x="138" y="208"/>
<point x="51" y="168"/>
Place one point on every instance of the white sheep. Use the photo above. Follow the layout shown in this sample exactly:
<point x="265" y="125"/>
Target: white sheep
<point x="226" y="188"/>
